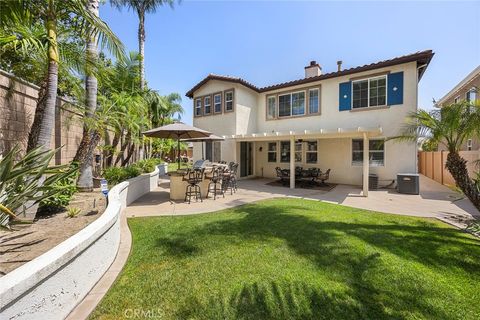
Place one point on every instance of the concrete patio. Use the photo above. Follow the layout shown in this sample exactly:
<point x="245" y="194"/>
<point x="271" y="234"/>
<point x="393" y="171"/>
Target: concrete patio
<point x="435" y="200"/>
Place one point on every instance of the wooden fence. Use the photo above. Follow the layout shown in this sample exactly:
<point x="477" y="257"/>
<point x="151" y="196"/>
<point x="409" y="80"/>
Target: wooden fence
<point x="432" y="165"/>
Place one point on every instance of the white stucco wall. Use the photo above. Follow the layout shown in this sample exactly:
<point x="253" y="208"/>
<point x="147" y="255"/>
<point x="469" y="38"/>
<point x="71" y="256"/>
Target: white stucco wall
<point x="250" y="117"/>
<point x="51" y="285"/>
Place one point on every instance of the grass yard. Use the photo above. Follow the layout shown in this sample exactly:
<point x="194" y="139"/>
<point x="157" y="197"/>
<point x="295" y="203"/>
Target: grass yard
<point x="173" y="166"/>
<point x="291" y="259"/>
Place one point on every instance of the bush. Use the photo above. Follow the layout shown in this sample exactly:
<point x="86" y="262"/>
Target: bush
<point x="65" y="189"/>
<point x="73" y="212"/>
<point x="19" y="181"/>
<point x="115" y="175"/>
<point x="148" y="165"/>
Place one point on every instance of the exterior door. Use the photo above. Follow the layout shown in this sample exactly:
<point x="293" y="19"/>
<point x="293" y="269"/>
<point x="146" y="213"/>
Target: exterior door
<point x="246" y="159"/>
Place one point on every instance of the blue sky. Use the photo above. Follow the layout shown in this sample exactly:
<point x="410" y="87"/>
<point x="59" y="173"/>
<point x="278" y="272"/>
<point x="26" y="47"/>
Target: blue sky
<point x="268" y="42"/>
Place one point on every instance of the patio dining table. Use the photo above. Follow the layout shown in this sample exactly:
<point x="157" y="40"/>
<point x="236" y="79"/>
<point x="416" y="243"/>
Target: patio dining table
<point x="305" y="175"/>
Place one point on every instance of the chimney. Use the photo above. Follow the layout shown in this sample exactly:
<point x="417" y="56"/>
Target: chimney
<point x="313" y="70"/>
<point x="339" y="65"/>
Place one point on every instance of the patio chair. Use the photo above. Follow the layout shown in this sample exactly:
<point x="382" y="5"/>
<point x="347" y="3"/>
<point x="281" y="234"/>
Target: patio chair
<point x="216" y="181"/>
<point x="311" y="175"/>
<point x="283" y="175"/>
<point x="230" y="178"/>
<point x="193" y="178"/>
<point x="324" y="177"/>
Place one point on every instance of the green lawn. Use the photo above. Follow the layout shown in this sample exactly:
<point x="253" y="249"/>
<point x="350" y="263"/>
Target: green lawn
<point x="291" y="259"/>
<point x="173" y="166"/>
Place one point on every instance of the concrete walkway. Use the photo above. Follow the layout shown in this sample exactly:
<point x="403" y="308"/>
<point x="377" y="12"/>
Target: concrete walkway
<point x="435" y="200"/>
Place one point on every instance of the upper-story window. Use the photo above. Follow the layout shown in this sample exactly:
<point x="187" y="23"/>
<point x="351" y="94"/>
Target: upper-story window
<point x="198" y="107"/>
<point x="229" y="100"/>
<point x="207" y="104"/>
<point x="369" y="92"/>
<point x="313" y="100"/>
<point x="291" y="104"/>
<point x="456" y="100"/>
<point x="217" y="103"/>
<point x="471" y="95"/>
<point x="271" y="107"/>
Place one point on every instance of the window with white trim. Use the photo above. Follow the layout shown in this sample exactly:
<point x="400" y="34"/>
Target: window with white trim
<point x="272" y="152"/>
<point x="198" y="107"/>
<point x="229" y="101"/>
<point x="298" y="151"/>
<point x="369" y="92"/>
<point x="207" y="104"/>
<point x="311" y="154"/>
<point x="298" y="103"/>
<point x="284" y="151"/>
<point x="271" y="107"/>
<point x="471" y="95"/>
<point x="313" y="100"/>
<point x="376" y="154"/>
<point x="456" y="100"/>
<point x="217" y="103"/>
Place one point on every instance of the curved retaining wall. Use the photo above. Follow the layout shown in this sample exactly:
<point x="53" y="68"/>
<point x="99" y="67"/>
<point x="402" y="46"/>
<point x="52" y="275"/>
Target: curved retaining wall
<point x="51" y="285"/>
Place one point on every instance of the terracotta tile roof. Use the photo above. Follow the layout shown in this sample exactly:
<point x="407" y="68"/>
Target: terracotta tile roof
<point x="421" y="57"/>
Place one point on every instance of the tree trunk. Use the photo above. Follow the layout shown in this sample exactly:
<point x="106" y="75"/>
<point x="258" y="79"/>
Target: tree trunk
<point x="39" y="113"/>
<point x="141" y="47"/>
<point x="46" y="121"/>
<point x="123" y="147"/>
<point x="141" y="51"/>
<point x="90" y="137"/>
<point x="110" y="153"/>
<point x="130" y="152"/>
<point x="457" y="166"/>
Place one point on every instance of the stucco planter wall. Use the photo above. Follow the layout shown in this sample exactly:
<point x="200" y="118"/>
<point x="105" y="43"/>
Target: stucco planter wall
<point x="51" y="285"/>
<point x="162" y="169"/>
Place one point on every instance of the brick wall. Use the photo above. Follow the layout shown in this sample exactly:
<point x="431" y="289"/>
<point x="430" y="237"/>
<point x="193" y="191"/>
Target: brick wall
<point x="18" y="100"/>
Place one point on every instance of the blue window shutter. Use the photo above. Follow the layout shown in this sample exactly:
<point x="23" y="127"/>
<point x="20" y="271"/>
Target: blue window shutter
<point x="395" y="88"/>
<point x="345" y="96"/>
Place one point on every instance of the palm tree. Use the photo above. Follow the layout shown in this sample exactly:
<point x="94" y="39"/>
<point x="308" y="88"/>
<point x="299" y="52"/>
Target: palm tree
<point x="142" y="7"/>
<point x="450" y="126"/>
<point x="17" y="14"/>
<point x="163" y="107"/>
<point x="90" y="138"/>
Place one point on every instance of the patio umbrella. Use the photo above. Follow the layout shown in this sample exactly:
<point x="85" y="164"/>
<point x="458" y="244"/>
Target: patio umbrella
<point x="211" y="137"/>
<point x="177" y="131"/>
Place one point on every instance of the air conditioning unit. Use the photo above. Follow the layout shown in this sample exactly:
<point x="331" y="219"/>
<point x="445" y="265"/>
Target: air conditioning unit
<point x="408" y="183"/>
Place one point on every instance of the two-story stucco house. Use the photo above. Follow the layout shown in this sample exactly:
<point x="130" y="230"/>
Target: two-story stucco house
<point x="467" y="89"/>
<point x="337" y="120"/>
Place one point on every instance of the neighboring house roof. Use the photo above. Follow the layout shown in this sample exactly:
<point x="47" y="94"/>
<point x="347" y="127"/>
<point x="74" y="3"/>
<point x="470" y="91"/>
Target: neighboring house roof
<point x="422" y="58"/>
<point x="471" y="76"/>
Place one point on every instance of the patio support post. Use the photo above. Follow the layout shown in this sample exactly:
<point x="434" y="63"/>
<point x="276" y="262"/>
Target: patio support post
<point x="366" y="164"/>
<point x="292" y="162"/>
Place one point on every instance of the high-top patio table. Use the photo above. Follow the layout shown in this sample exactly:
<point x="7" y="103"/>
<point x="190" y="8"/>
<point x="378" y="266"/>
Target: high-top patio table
<point x="178" y="185"/>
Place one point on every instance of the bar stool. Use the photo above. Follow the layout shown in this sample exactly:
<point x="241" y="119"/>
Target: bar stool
<point x="216" y="181"/>
<point x="193" y="178"/>
<point x="230" y="178"/>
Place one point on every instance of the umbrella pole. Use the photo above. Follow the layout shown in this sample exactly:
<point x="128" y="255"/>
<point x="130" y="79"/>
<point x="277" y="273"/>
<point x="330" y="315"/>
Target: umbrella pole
<point x="178" y="158"/>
